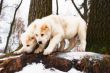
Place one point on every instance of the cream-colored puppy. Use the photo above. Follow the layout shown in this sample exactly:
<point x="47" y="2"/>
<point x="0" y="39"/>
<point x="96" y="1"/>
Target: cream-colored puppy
<point x="57" y="28"/>
<point x="28" y="43"/>
<point x="28" y="40"/>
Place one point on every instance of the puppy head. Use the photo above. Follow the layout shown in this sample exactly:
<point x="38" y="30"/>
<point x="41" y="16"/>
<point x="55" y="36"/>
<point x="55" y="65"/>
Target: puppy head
<point x="42" y="33"/>
<point x="27" y="39"/>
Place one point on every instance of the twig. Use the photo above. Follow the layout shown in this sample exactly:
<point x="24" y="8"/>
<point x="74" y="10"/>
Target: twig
<point x="78" y="9"/>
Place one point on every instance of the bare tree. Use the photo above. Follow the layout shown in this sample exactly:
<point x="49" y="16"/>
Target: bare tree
<point x="5" y="50"/>
<point x="57" y="7"/>
<point x="1" y="6"/>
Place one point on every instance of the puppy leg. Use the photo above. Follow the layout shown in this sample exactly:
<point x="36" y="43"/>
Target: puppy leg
<point x="82" y="37"/>
<point x="62" y="45"/>
<point x="19" y="51"/>
<point x="38" y="50"/>
<point x="53" y="42"/>
<point x="82" y="45"/>
<point x="28" y="50"/>
<point x="72" y="43"/>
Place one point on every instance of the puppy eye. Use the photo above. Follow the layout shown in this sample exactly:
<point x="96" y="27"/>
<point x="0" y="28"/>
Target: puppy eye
<point x="42" y="34"/>
<point x="27" y="45"/>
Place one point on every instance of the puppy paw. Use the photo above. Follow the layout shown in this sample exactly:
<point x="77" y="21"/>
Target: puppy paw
<point x="80" y="50"/>
<point x="17" y="52"/>
<point x="38" y="50"/>
<point x="47" y="52"/>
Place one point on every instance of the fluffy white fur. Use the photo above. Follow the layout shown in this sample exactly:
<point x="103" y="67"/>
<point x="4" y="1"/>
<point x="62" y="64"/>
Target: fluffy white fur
<point x="57" y="28"/>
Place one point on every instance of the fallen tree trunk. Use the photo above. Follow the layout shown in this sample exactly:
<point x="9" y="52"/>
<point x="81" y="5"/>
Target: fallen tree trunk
<point x="16" y="63"/>
<point x="88" y="64"/>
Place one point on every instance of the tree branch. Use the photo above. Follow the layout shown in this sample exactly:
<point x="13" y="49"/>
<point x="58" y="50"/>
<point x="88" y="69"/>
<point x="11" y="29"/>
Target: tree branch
<point x="11" y="26"/>
<point x="78" y="10"/>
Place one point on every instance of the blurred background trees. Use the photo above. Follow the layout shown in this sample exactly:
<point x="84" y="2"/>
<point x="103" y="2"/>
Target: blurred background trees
<point x="98" y="33"/>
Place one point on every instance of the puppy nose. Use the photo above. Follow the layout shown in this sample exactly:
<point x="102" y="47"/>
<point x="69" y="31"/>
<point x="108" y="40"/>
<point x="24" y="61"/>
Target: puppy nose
<point x="40" y="42"/>
<point x="27" y="45"/>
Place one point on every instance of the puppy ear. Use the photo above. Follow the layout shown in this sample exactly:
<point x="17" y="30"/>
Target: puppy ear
<point x="31" y="27"/>
<point x="44" y="28"/>
<point x="21" y="37"/>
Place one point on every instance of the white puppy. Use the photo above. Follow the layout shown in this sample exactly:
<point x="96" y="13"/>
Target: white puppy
<point x="28" y="40"/>
<point x="57" y="28"/>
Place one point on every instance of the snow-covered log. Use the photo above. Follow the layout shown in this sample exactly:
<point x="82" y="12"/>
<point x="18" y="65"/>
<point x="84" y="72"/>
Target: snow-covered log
<point x="86" y="62"/>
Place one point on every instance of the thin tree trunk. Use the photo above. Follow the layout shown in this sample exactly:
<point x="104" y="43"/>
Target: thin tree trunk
<point x="57" y="7"/>
<point x="85" y="10"/>
<point x="11" y="26"/>
<point x="39" y="9"/>
<point x="1" y="6"/>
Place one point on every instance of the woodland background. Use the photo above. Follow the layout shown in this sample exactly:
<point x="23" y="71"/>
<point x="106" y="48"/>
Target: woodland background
<point x="16" y="15"/>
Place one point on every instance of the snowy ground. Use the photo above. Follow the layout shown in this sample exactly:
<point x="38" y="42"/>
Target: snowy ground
<point x="39" y="68"/>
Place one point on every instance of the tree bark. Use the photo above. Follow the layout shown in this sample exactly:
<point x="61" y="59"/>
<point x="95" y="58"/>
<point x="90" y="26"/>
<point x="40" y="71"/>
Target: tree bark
<point x="85" y="10"/>
<point x="91" y="65"/>
<point x="16" y="63"/>
<point x="39" y="9"/>
<point x="98" y="32"/>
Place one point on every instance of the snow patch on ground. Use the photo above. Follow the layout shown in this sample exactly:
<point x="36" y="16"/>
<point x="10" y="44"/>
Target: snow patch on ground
<point x="39" y="68"/>
<point x="2" y="54"/>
